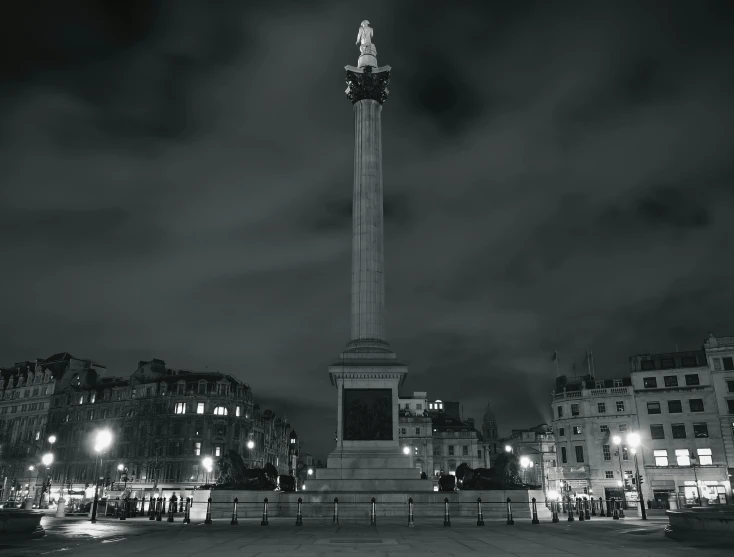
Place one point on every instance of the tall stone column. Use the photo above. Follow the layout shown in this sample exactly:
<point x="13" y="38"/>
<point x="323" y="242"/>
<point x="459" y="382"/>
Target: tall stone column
<point x="367" y="89"/>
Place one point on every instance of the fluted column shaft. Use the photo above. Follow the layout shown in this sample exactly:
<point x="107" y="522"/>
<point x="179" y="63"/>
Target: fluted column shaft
<point x="368" y="278"/>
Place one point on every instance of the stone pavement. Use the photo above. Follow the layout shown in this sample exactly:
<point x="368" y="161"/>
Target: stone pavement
<point x="597" y="538"/>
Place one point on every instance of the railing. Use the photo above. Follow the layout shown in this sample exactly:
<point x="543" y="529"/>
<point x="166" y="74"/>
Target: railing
<point x="619" y="390"/>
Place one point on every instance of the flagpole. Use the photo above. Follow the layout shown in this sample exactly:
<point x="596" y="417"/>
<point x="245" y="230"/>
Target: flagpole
<point x="558" y="371"/>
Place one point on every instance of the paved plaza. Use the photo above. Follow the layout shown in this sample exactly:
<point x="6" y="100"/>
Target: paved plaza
<point x="600" y="538"/>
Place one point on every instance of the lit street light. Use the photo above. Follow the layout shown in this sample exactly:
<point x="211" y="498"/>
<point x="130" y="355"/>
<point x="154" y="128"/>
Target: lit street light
<point x="207" y="462"/>
<point x="250" y="446"/>
<point x="406" y="450"/>
<point x="508" y="449"/>
<point x="310" y="471"/>
<point x="633" y="440"/>
<point x="102" y="442"/>
<point x="617" y="440"/>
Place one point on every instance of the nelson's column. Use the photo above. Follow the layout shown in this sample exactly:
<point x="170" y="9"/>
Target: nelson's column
<point x="368" y="456"/>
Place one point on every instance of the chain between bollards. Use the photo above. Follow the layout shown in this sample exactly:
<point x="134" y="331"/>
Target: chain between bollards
<point x="335" y="519"/>
<point x="187" y="512"/>
<point x="480" y="516"/>
<point x="410" y="513"/>
<point x="446" y="515"/>
<point x="535" y="512"/>
<point x="510" y="522"/>
<point x="234" y="520"/>
<point x="373" y="514"/>
<point x="299" y="516"/>
<point x="208" y="519"/>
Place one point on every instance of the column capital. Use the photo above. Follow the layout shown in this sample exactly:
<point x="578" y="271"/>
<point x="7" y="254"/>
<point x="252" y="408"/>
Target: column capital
<point x="367" y="84"/>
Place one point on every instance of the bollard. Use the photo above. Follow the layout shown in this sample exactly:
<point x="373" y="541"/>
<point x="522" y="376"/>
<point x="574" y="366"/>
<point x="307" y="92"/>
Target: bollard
<point x="480" y="516"/>
<point x="159" y="508"/>
<point x="208" y="519"/>
<point x="510" y="522"/>
<point x="580" y="509"/>
<point x="142" y="507"/>
<point x="616" y="510"/>
<point x="234" y="520"/>
<point x="264" y="521"/>
<point x="621" y="503"/>
<point x="163" y="509"/>
<point x="181" y="503"/>
<point x="554" y="510"/>
<point x="173" y="503"/>
<point x="410" y="513"/>
<point x="601" y="507"/>
<point x="171" y="509"/>
<point x="535" y="512"/>
<point x="187" y="518"/>
<point x="570" y="510"/>
<point x="593" y="506"/>
<point x="151" y="508"/>
<point x="373" y="514"/>
<point x="123" y="510"/>
<point x="446" y="515"/>
<point x="299" y="516"/>
<point x="586" y="509"/>
<point x="335" y="520"/>
<point x="563" y="504"/>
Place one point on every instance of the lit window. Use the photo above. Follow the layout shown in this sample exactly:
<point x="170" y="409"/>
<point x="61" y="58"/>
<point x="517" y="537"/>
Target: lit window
<point x="661" y="457"/>
<point x="38" y="435"/>
<point x="92" y="397"/>
<point x="620" y="406"/>
<point x="705" y="458"/>
<point x="180" y="408"/>
<point x="81" y="399"/>
<point x="197" y="449"/>
<point x="625" y="453"/>
<point x="200" y="408"/>
<point x="238" y="411"/>
<point x="217" y="451"/>
<point x="220" y="411"/>
<point x="577" y="430"/>
<point x="700" y="430"/>
<point x="682" y="457"/>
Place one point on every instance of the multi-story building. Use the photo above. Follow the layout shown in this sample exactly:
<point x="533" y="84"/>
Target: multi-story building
<point x="490" y="435"/>
<point x="415" y="431"/>
<point x="536" y="448"/>
<point x="456" y="442"/>
<point x="588" y="415"/>
<point x="681" y="440"/>
<point x="25" y="395"/>
<point x="720" y="355"/>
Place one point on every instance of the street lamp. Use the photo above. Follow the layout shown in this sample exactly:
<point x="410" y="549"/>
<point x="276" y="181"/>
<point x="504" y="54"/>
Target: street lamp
<point x="633" y="440"/>
<point x="310" y="471"/>
<point x="250" y="446"/>
<point x="102" y="442"/>
<point x="207" y="462"/>
<point x="508" y="449"/>
<point x="406" y="450"/>
<point x="617" y="440"/>
<point x="692" y="459"/>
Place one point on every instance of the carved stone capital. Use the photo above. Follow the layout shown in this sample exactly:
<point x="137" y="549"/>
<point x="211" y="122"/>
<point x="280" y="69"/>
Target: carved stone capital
<point x="364" y="84"/>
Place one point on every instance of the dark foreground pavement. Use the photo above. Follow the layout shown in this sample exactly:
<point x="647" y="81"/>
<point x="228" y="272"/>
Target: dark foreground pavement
<point x="597" y="538"/>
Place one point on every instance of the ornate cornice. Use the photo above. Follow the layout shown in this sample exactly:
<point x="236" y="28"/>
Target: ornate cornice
<point x="364" y="84"/>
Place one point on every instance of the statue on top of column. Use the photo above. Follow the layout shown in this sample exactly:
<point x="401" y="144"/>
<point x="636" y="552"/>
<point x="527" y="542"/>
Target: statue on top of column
<point x="364" y="37"/>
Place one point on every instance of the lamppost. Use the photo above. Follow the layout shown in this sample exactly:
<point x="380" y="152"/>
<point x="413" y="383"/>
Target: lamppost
<point x="633" y="440"/>
<point x="207" y="462"/>
<point x="695" y="476"/>
<point x="525" y="464"/>
<point x="102" y="441"/>
<point x="122" y="475"/>
<point x="46" y="460"/>
<point x="250" y="446"/>
<point x="617" y="440"/>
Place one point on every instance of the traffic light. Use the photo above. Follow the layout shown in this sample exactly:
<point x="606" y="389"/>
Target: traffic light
<point x="627" y="482"/>
<point x="641" y="480"/>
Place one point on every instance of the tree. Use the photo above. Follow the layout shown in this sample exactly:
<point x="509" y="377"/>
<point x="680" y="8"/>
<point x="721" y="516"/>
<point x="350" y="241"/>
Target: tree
<point x="507" y="469"/>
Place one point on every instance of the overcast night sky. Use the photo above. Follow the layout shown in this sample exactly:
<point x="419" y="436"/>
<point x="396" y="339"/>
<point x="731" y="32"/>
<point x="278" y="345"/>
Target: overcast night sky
<point x="176" y="183"/>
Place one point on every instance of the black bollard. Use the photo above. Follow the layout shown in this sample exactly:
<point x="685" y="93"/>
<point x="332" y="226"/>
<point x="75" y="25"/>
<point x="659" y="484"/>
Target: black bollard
<point x="593" y="506"/>
<point x="446" y="514"/>
<point x="554" y="511"/>
<point x="208" y="519"/>
<point x="563" y="503"/>
<point x="117" y="508"/>
<point x="510" y="522"/>
<point x="142" y="506"/>
<point x="171" y="509"/>
<point x="159" y="508"/>
<point x="535" y="512"/>
<point x="570" y="510"/>
<point x="410" y="513"/>
<point x="173" y="504"/>
<point x="264" y="521"/>
<point x="480" y="516"/>
<point x="151" y="508"/>
<point x="234" y="520"/>
<point x="586" y="509"/>
<point x="621" y="502"/>
<point x="187" y="510"/>
<point x="181" y="503"/>
<point x="163" y="510"/>
<point x="615" y="516"/>
<point x="335" y="520"/>
<point x="299" y="516"/>
<point x="580" y="509"/>
<point x="123" y="510"/>
<point x="373" y="514"/>
<point x="601" y="507"/>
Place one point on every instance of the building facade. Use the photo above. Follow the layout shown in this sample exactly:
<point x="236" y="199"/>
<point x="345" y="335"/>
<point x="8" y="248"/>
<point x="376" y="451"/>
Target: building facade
<point x="588" y="415"/>
<point x="536" y="449"/>
<point x="682" y="448"/>
<point x="490" y="435"/>
<point x="720" y="356"/>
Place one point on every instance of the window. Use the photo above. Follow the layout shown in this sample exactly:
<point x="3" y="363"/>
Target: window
<point x="197" y="449"/>
<point x="479" y="453"/>
<point x="419" y="407"/>
<point x="601" y="408"/>
<point x="599" y="384"/>
<point x="180" y="408"/>
<point x="577" y="430"/>
<point x="417" y="431"/>
<point x="220" y="411"/>
<point x="560" y="411"/>
<point x="202" y="388"/>
<point x="692" y="379"/>
<point x="218" y="450"/>
<point x="696" y="404"/>
<point x="625" y="453"/>
<point x="609" y="475"/>
<point x="200" y="408"/>
<point x="403" y="431"/>
<point x="561" y="432"/>
<point x="238" y="411"/>
<point x="728" y="363"/>
<point x="622" y="427"/>
<point x="671" y="381"/>
<point x="604" y="428"/>
<point x="682" y="457"/>
<point x="679" y="431"/>
<point x="661" y="457"/>
<point x="579" y="453"/>
<point x="574" y="409"/>
<point x="620" y="406"/>
<point x="700" y="430"/>
<point x="437" y="450"/>
<point x="451" y="450"/>
<point x="650" y="382"/>
<point x="675" y="406"/>
<point x="667" y="363"/>
<point x="564" y="458"/>
<point x="464" y="450"/>
<point x="90" y="414"/>
<point x="657" y="431"/>
<point x="730" y="404"/>
<point x="647" y="365"/>
<point x="607" y="452"/>
<point x="705" y="458"/>
<point x="653" y="408"/>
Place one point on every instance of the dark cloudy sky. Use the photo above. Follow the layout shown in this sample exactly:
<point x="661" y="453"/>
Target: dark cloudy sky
<point x="176" y="181"/>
